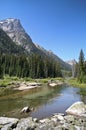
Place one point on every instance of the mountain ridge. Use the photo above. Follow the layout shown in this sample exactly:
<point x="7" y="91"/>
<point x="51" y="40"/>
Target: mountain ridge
<point x="51" y="54"/>
<point x="10" y="48"/>
<point x="16" y="32"/>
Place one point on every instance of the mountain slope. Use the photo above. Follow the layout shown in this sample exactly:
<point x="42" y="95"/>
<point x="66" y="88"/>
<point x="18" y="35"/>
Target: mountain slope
<point x="50" y="54"/>
<point x="16" y="32"/>
<point x="8" y="46"/>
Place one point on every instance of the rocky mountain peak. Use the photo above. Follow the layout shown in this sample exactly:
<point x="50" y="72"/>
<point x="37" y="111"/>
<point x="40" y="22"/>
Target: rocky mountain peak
<point x="16" y="32"/>
<point x="71" y="62"/>
<point x="10" y="24"/>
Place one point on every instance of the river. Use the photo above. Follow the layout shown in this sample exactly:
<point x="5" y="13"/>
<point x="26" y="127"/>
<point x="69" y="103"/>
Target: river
<point x="45" y="101"/>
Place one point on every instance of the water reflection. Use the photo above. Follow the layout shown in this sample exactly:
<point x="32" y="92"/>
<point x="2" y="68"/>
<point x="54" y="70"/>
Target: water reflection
<point x="67" y="96"/>
<point x="46" y="101"/>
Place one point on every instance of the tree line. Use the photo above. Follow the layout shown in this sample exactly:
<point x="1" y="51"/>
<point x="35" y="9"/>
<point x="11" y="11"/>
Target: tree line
<point x="80" y="68"/>
<point x="33" y="66"/>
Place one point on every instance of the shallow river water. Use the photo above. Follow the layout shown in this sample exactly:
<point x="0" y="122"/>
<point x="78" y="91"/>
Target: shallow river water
<point x="45" y="101"/>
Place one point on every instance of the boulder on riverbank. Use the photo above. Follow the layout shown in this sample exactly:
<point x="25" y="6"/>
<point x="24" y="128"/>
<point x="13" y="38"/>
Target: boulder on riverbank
<point x="7" y="123"/>
<point x="78" y="108"/>
<point x="56" y="122"/>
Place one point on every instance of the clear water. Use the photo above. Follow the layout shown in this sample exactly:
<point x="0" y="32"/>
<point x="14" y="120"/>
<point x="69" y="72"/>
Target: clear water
<point x="59" y="104"/>
<point x="45" y="101"/>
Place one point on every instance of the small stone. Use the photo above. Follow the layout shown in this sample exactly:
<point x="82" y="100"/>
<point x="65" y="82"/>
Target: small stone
<point x="69" y="118"/>
<point x="54" y="119"/>
<point x="60" y="117"/>
<point x="35" y="119"/>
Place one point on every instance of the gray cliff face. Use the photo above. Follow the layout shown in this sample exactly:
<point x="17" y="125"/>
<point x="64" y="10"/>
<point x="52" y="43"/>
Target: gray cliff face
<point x="16" y="32"/>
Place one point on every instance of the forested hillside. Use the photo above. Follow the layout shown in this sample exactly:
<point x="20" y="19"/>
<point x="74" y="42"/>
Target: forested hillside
<point x="32" y="66"/>
<point x="18" y="35"/>
<point x="15" y="62"/>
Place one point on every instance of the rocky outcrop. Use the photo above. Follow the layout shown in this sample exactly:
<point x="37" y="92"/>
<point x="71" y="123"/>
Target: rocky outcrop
<point x="56" y="122"/>
<point x="16" y="32"/>
<point x="78" y="108"/>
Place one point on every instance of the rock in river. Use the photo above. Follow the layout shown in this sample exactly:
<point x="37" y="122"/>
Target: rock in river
<point x="26" y="109"/>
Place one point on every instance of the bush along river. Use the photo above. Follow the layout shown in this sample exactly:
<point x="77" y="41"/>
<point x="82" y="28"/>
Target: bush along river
<point x="45" y="100"/>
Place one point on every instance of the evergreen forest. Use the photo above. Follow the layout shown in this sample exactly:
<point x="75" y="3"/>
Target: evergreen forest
<point x="33" y="66"/>
<point x="80" y="68"/>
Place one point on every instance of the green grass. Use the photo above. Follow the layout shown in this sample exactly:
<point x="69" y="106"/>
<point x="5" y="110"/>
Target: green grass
<point x="46" y="80"/>
<point x="7" y="80"/>
<point x="75" y="83"/>
<point x="83" y="91"/>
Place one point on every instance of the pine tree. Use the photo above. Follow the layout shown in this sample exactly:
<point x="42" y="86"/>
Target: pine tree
<point x="81" y="61"/>
<point x="1" y="71"/>
<point x="81" y="67"/>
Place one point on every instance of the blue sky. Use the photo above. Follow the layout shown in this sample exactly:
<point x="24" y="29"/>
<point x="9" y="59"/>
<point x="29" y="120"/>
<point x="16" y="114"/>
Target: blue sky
<point x="57" y="25"/>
